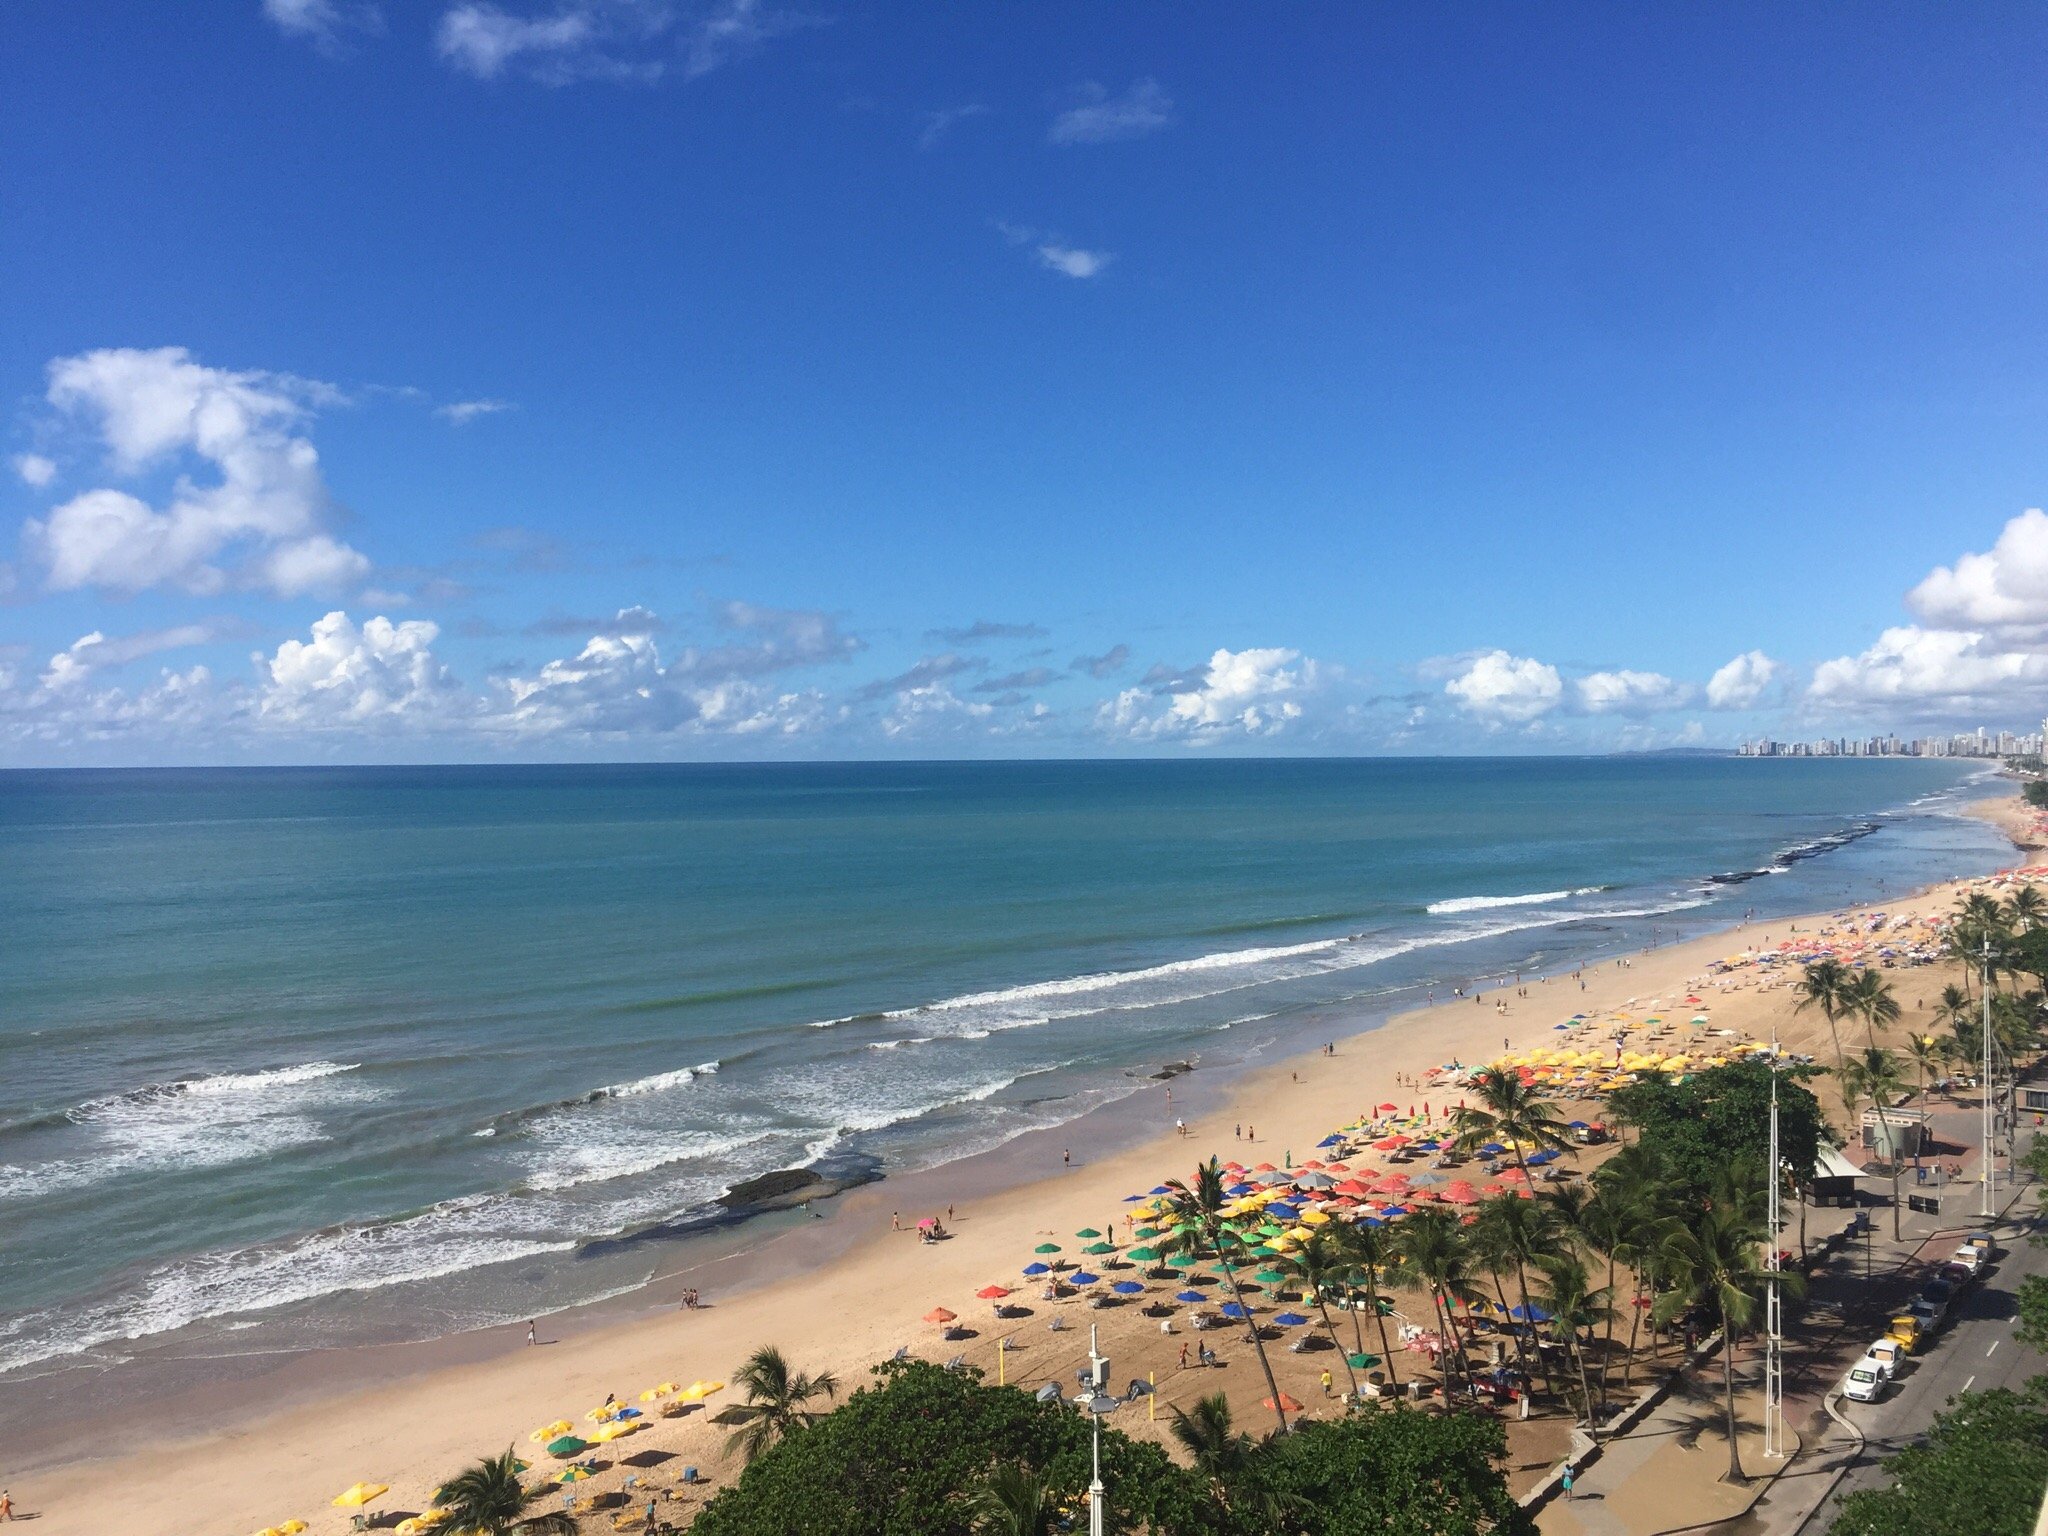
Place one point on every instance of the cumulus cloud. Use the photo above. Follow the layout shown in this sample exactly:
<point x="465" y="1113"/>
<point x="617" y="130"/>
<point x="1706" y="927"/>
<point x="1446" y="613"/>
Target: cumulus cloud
<point x="1100" y="118"/>
<point x="1631" y="693"/>
<point x="1742" y="682"/>
<point x="937" y="125"/>
<point x="1109" y="663"/>
<point x="1256" y="692"/>
<point x="34" y="469"/>
<point x="927" y="708"/>
<point x="348" y="676"/>
<point x="617" y="686"/>
<point x="462" y="412"/>
<point x="1931" y="671"/>
<point x="1072" y="261"/>
<point x="324" y="23"/>
<point x="618" y="40"/>
<point x="2004" y="589"/>
<point x="263" y="515"/>
<point x="986" y="629"/>
<point x="1507" y="689"/>
<point x="75" y="665"/>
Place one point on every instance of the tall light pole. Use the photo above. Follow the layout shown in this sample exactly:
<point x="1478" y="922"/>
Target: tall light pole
<point x="1774" y="1368"/>
<point x="1098" y="1376"/>
<point x="1990" y="1118"/>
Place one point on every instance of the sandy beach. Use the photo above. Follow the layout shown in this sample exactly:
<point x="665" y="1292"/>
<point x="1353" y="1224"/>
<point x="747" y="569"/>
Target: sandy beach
<point x="842" y="1293"/>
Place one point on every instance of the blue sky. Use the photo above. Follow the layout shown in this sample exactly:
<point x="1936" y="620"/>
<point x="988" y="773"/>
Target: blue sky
<point x="602" y="378"/>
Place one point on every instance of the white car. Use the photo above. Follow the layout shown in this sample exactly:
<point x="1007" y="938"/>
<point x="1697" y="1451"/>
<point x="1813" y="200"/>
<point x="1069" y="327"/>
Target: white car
<point x="1970" y="1257"/>
<point x="1864" y="1383"/>
<point x="1885" y="1357"/>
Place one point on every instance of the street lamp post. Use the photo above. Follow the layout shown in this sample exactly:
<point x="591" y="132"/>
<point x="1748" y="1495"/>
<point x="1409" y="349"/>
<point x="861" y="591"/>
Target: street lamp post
<point x="1989" y="1117"/>
<point x="1774" y="1370"/>
<point x="1098" y="1377"/>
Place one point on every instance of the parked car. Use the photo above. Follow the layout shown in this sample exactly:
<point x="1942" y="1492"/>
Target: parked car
<point x="1864" y="1383"/>
<point x="1886" y="1357"/>
<point x="1984" y="1243"/>
<point x="1910" y="1333"/>
<point x="1941" y="1292"/>
<point x="1969" y="1259"/>
<point x="1930" y="1313"/>
<point x="1958" y="1274"/>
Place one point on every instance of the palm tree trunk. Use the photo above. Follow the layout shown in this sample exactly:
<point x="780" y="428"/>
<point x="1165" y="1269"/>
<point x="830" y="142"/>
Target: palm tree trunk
<point x="1444" y="1336"/>
<point x="1372" y="1292"/>
<point x="1735" y="1473"/>
<point x="1258" y="1344"/>
<point x="1635" y="1323"/>
<point x="1607" y="1346"/>
<point x="1324" y="1308"/>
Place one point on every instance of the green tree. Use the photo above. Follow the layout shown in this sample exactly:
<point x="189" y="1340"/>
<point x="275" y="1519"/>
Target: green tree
<point x="1324" y="1266"/>
<point x="894" y="1458"/>
<point x="1513" y="1233"/>
<point x="1575" y="1307"/>
<point x="1825" y="985"/>
<point x="2032" y="1301"/>
<point x="1632" y="1191"/>
<point x="1013" y="1500"/>
<point x="1877" y="1077"/>
<point x="1197" y="1207"/>
<point x="1871" y="1000"/>
<point x="1700" y="1127"/>
<point x="1712" y="1262"/>
<point x="1436" y="1259"/>
<point x="777" y="1400"/>
<point x="1980" y="1471"/>
<point x="1512" y="1111"/>
<point x="489" y="1500"/>
<point x="1371" y="1256"/>
<point x="1402" y="1473"/>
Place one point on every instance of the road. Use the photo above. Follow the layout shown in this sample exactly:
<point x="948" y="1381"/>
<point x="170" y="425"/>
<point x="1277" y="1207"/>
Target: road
<point x="1975" y="1352"/>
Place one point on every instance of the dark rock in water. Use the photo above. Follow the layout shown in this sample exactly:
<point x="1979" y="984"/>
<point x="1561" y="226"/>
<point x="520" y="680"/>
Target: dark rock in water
<point x="1172" y="1069"/>
<point x="785" y="1186"/>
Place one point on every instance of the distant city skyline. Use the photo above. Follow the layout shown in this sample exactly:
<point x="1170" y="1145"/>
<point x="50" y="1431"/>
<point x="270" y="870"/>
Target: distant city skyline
<point x="1982" y="742"/>
<point x="612" y="379"/>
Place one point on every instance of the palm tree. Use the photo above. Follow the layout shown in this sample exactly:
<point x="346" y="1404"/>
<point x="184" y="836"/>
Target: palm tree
<point x="1197" y="1208"/>
<point x="2026" y="909"/>
<point x="1714" y="1263"/>
<point x="1517" y="1232"/>
<point x="1871" y="1000"/>
<point x="1876" y="1076"/>
<point x="1370" y="1258"/>
<point x="488" y="1500"/>
<point x="1574" y="1307"/>
<point x="1434" y="1258"/>
<point x="1229" y="1459"/>
<point x="1825" y="985"/>
<point x="1927" y="1053"/>
<point x="776" y="1396"/>
<point x="1323" y="1266"/>
<point x="1013" y="1500"/>
<point x="1631" y="1190"/>
<point x="1512" y="1111"/>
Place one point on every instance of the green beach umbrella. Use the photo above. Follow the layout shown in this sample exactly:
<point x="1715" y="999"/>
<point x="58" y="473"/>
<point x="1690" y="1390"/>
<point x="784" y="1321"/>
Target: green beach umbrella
<point x="1182" y="1260"/>
<point x="1146" y="1255"/>
<point x="568" y="1445"/>
<point x="1047" y="1248"/>
<point x="1087" y="1232"/>
<point x="1362" y="1362"/>
<point x="1263" y="1252"/>
<point x="1270" y="1277"/>
<point x="1100" y="1248"/>
<point x="1147" y="1232"/>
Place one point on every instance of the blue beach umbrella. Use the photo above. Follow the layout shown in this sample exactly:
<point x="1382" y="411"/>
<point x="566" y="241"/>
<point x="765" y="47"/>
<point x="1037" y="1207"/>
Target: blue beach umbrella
<point x="1290" y="1319"/>
<point x="1372" y="1221"/>
<point x="1580" y="1125"/>
<point x="1233" y="1311"/>
<point x="1394" y="1210"/>
<point x="1082" y="1277"/>
<point x="1161" y="1189"/>
<point x="1035" y="1270"/>
<point x="1127" y="1288"/>
<point x="1331" y="1141"/>
<point x="1190" y="1297"/>
<point x="1522" y="1314"/>
<point x="1493" y="1149"/>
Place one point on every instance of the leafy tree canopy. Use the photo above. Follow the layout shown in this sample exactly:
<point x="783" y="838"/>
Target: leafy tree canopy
<point x="1403" y="1473"/>
<point x="1701" y="1126"/>
<point x="1980" y="1472"/>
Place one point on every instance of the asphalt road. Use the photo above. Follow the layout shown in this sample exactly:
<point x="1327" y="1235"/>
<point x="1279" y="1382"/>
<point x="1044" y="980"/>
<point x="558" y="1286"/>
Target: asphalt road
<point x="1976" y="1351"/>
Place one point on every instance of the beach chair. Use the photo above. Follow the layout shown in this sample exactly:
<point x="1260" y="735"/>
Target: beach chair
<point x="958" y="1362"/>
<point x="902" y="1352"/>
<point x="1058" y="1323"/>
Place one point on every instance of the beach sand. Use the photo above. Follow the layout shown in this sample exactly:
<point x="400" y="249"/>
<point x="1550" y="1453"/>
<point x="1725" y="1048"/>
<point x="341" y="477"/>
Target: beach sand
<point x="843" y="1293"/>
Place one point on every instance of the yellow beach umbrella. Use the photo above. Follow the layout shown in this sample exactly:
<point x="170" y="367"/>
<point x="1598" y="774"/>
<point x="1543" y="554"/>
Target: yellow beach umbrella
<point x="617" y="1431"/>
<point x="653" y="1395"/>
<point x="291" y="1527"/>
<point x="549" y="1432"/>
<point x="359" y="1494"/>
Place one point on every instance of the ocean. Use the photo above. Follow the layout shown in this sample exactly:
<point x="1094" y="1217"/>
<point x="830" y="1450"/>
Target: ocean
<point x="307" y="1056"/>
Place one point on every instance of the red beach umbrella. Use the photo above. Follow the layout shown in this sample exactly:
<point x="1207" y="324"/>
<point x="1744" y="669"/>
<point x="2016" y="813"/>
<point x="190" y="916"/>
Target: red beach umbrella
<point x="940" y="1315"/>
<point x="992" y="1292"/>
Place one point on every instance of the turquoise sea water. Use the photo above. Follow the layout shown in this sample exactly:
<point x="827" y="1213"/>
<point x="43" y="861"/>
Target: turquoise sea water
<point x="274" y="1041"/>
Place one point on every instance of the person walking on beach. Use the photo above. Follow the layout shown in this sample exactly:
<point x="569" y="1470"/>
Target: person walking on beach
<point x="1183" y="1354"/>
<point x="6" y="1506"/>
<point x="530" y="1337"/>
<point x="895" y="1221"/>
<point x="1328" y="1382"/>
<point x="1567" y="1484"/>
<point x="1067" y="1158"/>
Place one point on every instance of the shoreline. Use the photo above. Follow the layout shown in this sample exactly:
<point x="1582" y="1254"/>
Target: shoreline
<point x="833" y="1293"/>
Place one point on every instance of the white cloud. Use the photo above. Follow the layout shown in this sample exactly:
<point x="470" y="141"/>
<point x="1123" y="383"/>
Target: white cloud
<point x="1072" y="261"/>
<point x="1256" y="692"/>
<point x="1742" y="682"/>
<point x="76" y="663"/>
<point x="34" y="469"/>
<point x="1099" y="118"/>
<point x="921" y="709"/>
<point x="462" y="412"/>
<point x="1631" y="693"/>
<point x="268" y="504"/>
<point x="376" y="675"/>
<point x="937" y="125"/>
<point x="1931" y="671"/>
<point x="2004" y="589"/>
<point x="1503" y="688"/>
<point x="618" y="40"/>
<point x="735" y="30"/>
<point x="323" y="22"/>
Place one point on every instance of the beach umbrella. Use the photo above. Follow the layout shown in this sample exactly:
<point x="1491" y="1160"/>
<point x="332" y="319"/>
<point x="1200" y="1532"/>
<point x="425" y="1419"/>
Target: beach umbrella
<point x="1161" y="1189"/>
<point x="991" y="1292"/>
<point x="1047" y="1248"/>
<point x="697" y="1391"/>
<point x="359" y="1494"/>
<point x="1146" y="1232"/>
<point x="1331" y="1141"/>
<point x="1087" y="1232"/>
<point x="1270" y="1277"/>
<point x="617" y="1431"/>
<point x="1082" y="1277"/>
<point x="941" y="1315"/>
<point x="1513" y="1176"/>
<point x="1182" y="1260"/>
<point x="1035" y="1270"/>
<point x="1392" y="1211"/>
<point x="1145" y="1255"/>
<point x="1127" y="1288"/>
<point x="1191" y="1297"/>
<point x="1460" y="1193"/>
<point x="1235" y="1312"/>
<point x="1386" y="1109"/>
<point x="1290" y="1319"/>
<point x="1532" y="1314"/>
<point x="572" y="1474"/>
<point x="567" y="1445"/>
<point x="1392" y="1143"/>
<point x="1492" y="1149"/>
<point x="1361" y="1361"/>
<point x="548" y="1432"/>
<point x="1286" y="1404"/>
<point x="1098" y="1248"/>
